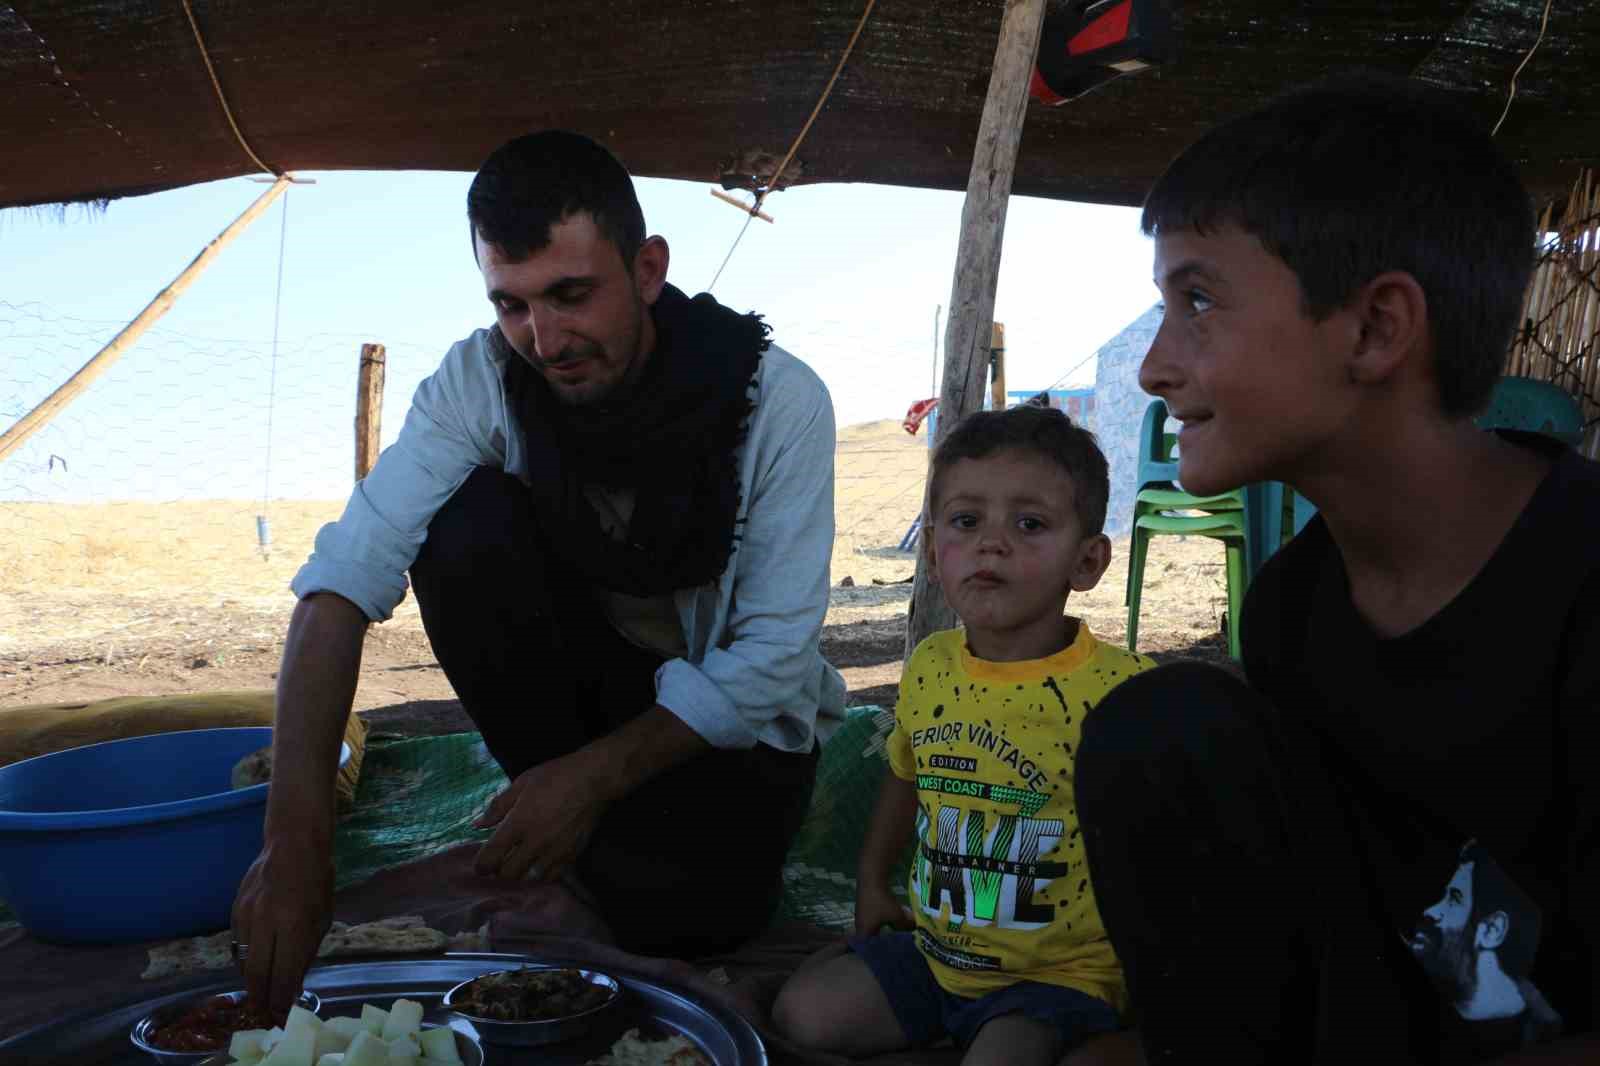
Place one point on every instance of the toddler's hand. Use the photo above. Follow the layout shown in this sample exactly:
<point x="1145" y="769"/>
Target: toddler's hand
<point x="877" y="907"/>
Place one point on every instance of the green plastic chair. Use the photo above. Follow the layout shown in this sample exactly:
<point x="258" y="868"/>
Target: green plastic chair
<point x="1226" y="526"/>
<point x="1522" y="404"/>
<point x="1533" y="407"/>
<point x="1222" y="517"/>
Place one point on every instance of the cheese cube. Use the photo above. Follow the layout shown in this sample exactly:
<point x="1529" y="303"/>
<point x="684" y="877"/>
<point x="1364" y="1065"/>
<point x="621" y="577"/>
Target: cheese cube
<point x="405" y="1018"/>
<point x="295" y="1049"/>
<point x="439" y="1045"/>
<point x="374" y="1018"/>
<point x="343" y="1030"/>
<point x="245" y="1046"/>
<point x="367" y="1050"/>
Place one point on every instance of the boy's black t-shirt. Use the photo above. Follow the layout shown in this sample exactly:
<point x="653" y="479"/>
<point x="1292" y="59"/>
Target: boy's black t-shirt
<point x="1466" y="755"/>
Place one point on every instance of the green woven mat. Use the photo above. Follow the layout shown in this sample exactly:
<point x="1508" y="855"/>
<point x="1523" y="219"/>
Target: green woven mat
<point x="419" y="797"/>
<point x="820" y="873"/>
<point x="415" y="798"/>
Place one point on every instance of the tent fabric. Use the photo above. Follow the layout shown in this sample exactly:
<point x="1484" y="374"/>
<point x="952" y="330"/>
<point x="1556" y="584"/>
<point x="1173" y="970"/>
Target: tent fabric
<point x="110" y="98"/>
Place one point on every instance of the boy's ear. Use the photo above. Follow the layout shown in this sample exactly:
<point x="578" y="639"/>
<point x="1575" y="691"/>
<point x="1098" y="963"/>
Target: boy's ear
<point x="1391" y="316"/>
<point x="929" y="557"/>
<point x="1094" y="555"/>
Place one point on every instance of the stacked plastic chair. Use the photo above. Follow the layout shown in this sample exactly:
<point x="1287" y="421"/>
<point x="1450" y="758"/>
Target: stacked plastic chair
<point x="1522" y="404"/>
<point x="1533" y="407"/>
<point x="1162" y="508"/>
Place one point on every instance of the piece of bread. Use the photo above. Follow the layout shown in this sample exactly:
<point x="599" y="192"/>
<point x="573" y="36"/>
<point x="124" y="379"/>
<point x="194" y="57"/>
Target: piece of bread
<point x="390" y="936"/>
<point x="406" y="935"/>
<point x="631" y="1049"/>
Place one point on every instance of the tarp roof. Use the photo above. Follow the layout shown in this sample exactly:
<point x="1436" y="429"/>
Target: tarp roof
<point x="108" y="98"/>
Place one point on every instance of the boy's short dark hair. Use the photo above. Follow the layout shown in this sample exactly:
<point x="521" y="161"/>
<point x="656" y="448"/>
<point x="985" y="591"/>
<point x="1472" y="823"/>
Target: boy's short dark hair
<point x="529" y="184"/>
<point x="1043" y="431"/>
<point x="1351" y="177"/>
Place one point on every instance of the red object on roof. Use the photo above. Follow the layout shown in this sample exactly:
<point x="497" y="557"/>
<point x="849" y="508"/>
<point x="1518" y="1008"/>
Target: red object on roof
<point x="916" y="413"/>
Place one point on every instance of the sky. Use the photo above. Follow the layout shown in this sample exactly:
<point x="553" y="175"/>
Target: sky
<point x="849" y="276"/>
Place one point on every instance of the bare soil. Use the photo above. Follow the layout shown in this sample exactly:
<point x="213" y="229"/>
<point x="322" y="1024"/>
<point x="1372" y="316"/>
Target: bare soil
<point x="146" y="599"/>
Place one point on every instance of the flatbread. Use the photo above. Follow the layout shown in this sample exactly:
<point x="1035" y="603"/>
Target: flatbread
<point x="390" y="936"/>
<point x="253" y="769"/>
<point x="633" y="1050"/>
<point x="406" y="935"/>
<point x="473" y="940"/>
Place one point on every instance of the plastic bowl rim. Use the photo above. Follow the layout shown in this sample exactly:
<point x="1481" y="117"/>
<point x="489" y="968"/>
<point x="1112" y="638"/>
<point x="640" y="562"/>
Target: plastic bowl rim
<point x="170" y="811"/>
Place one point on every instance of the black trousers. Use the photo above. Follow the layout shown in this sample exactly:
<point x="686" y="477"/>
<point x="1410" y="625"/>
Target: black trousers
<point x="690" y="863"/>
<point x="1229" y="881"/>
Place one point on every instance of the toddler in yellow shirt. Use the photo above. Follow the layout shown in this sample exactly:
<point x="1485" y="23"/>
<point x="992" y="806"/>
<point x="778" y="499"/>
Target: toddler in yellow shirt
<point x="1006" y="953"/>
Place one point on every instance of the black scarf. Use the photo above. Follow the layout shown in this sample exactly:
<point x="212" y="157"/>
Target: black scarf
<point x="671" y="436"/>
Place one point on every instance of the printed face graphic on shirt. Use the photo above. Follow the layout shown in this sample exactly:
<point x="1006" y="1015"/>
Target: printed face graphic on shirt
<point x="1443" y="941"/>
<point x="1478" y="942"/>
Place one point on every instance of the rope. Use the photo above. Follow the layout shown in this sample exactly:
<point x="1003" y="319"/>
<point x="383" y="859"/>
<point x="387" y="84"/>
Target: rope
<point x="761" y="193"/>
<point x="272" y="379"/>
<point x="1543" y="22"/>
<point x="815" y="111"/>
<point x="725" y="259"/>
<point x="223" y="100"/>
<point x="1075" y="368"/>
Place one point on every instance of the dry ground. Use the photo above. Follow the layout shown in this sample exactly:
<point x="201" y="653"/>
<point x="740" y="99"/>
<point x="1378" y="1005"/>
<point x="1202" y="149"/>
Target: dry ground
<point x="124" y="599"/>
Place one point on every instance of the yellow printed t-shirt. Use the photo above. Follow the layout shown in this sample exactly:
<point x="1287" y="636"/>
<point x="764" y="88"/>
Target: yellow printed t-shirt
<point x="1000" y="883"/>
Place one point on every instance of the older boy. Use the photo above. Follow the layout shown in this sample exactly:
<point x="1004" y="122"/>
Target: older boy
<point x="1342" y="271"/>
<point x="1008" y="956"/>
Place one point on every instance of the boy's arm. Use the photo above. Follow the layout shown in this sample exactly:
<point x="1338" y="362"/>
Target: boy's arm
<point x="893" y="819"/>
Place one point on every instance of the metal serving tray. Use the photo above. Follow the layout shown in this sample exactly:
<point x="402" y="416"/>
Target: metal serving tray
<point x="100" y="1038"/>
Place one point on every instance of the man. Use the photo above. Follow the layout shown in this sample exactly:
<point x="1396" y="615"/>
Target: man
<point x="616" y="507"/>
<point x="1478" y="943"/>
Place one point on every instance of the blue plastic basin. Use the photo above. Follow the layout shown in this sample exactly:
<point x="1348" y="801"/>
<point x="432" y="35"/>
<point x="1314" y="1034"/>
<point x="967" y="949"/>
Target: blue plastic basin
<point x="136" y="839"/>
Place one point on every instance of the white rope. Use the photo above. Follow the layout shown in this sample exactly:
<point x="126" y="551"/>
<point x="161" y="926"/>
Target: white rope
<point x="1513" y="93"/>
<point x="272" y="379"/>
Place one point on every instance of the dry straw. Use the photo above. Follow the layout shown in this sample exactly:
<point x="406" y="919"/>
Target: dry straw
<point x="1559" y="340"/>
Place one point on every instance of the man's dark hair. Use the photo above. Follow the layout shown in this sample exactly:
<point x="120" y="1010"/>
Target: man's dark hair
<point x="1043" y="431"/>
<point x="1493" y="891"/>
<point x="1352" y="177"/>
<point x="528" y="185"/>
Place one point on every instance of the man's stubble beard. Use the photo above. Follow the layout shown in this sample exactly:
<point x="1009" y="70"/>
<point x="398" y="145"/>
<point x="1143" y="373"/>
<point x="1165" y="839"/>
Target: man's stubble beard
<point x="1452" y="961"/>
<point x="630" y="373"/>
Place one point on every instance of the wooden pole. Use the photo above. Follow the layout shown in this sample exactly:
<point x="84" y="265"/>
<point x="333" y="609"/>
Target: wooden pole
<point x="997" y="367"/>
<point x="36" y="419"/>
<point x="983" y="225"/>
<point x="369" y="407"/>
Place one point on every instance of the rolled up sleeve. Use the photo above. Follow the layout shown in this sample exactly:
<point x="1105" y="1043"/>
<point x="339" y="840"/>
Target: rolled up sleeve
<point x="453" y="427"/>
<point x="768" y="665"/>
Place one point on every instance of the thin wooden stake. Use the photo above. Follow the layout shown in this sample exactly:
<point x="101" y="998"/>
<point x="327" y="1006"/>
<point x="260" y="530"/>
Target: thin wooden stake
<point x="36" y="419"/>
<point x="997" y="367"/>
<point x="983" y="226"/>
<point x="369" y="407"/>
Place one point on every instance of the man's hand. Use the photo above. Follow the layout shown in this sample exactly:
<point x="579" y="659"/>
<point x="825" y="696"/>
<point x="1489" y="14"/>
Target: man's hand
<point x="877" y="907"/>
<point x="280" y="915"/>
<point x="544" y="819"/>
